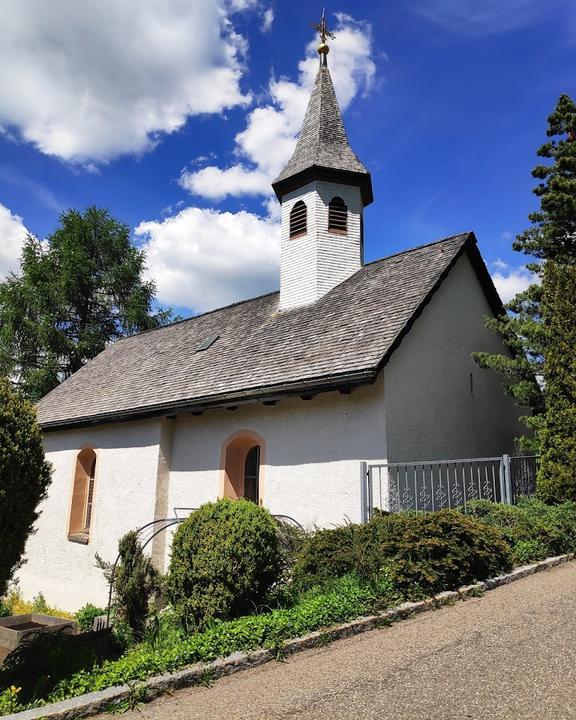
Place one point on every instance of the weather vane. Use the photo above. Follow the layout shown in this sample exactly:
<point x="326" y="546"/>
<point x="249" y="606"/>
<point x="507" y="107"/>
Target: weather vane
<point x="322" y="29"/>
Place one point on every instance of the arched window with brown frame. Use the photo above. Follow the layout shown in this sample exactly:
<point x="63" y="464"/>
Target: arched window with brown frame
<point x="82" y="496"/>
<point x="242" y="459"/>
<point x="337" y="216"/>
<point x="298" y="219"/>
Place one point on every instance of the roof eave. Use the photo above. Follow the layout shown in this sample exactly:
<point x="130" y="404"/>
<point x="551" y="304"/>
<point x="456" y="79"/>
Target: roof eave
<point x="327" y="383"/>
<point x="362" y="180"/>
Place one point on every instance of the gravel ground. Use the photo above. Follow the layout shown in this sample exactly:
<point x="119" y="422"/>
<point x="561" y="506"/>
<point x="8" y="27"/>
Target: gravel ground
<point x="509" y="654"/>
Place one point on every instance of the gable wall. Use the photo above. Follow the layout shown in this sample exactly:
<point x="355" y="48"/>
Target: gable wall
<point x="430" y="412"/>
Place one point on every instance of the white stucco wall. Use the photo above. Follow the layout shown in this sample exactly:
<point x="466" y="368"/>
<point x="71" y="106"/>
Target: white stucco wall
<point x="124" y="495"/>
<point x="431" y="413"/>
<point x="312" y="453"/>
<point x="314" y="263"/>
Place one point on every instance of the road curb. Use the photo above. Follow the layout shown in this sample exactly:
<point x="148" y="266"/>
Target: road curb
<point x="96" y="702"/>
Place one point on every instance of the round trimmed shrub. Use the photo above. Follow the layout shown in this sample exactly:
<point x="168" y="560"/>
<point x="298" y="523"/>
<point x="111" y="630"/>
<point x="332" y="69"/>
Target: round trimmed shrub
<point x="225" y="557"/>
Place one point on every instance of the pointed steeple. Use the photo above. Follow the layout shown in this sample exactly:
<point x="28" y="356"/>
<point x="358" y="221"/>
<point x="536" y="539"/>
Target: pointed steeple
<point x="322" y="151"/>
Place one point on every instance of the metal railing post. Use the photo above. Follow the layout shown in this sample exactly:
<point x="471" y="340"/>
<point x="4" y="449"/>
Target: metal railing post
<point x="364" y="492"/>
<point x="507" y="478"/>
<point x="502" y="481"/>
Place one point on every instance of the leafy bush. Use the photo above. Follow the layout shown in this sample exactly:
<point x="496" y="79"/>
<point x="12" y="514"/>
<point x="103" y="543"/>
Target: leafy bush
<point x="135" y="581"/>
<point x="39" y="604"/>
<point x="334" y="552"/>
<point x="225" y="557"/>
<point x="9" y="702"/>
<point x="87" y="614"/>
<point x="291" y="538"/>
<point x="533" y="529"/>
<point x="24" y="477"/>
<point x="440" y="551"/>
<point x="528" y="551"/>
<point x="421" y="553"/>
<point x="15" y="604"/>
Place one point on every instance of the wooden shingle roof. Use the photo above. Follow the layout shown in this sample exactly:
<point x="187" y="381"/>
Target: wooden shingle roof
<point x="343" y="339"/>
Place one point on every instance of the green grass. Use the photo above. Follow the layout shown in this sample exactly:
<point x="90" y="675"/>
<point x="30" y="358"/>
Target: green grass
<point x="339" y="601"/>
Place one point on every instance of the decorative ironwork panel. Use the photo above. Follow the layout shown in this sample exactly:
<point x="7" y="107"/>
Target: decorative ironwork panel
<point x="439" y="484"/>
<point x="523" y="471"/>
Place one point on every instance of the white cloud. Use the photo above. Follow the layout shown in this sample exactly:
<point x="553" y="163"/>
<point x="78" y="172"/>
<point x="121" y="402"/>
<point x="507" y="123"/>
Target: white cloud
<point x="202" y="258"/>
<point x="483" y="17"/>
<point x="268" y="141"/>
<point x="267" y="20"/>
<point x="86" y="81"/>
<point x="214" y="183"/>
<point x="12" y="236"/>
<point x="511" y="280"/>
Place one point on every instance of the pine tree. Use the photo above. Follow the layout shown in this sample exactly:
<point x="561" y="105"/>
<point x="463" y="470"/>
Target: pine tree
<point x="557" y="473"/>
<point x="76" y="292"/>
<point x="523" y="333"/>
<point x="553" y="232"/>
<point x="552" y="237"/>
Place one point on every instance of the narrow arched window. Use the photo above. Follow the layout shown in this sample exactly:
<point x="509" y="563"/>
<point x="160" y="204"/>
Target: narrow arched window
<point x="298" y="219"/>
<point x="242" y="462"/>
<point x="82" y="496"/>
<point x="337" y="216"/>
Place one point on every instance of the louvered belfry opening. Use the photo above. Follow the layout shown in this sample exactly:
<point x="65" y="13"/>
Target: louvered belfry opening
<point x="298" y="219"/>
<point x="338" y="216"/>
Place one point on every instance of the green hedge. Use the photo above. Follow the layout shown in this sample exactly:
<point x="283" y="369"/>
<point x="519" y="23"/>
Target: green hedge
<point x="533" y="529"/>
<point x="421" y="553"/>
<point x="351" y="571"/>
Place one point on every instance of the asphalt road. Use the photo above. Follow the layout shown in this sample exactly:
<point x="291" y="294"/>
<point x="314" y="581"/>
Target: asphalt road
<point x="509" y="654"/>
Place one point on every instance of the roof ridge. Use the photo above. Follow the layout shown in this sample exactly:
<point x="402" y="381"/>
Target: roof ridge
<point x="419" y="247"/>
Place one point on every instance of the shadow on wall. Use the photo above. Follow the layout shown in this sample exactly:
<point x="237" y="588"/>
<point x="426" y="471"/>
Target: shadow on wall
<point x="330" y="428"/>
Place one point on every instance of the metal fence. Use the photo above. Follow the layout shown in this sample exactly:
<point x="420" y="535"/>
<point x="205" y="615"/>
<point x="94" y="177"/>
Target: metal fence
<point x="427" y="486"/>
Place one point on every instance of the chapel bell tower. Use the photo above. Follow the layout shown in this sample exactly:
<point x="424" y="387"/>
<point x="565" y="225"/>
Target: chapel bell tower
<point x="323" y="190"/>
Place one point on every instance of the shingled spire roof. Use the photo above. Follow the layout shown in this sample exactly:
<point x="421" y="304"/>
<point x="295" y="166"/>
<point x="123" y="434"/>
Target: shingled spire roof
<point x="322" y="150"/>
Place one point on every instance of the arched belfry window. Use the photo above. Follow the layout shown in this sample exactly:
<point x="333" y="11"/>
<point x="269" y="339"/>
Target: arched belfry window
<point x="82" y="496"/>
<point x="298" y="219"/>
<point x="337" y="216"/>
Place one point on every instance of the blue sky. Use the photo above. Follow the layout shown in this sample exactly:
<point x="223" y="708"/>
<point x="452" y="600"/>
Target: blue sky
<point x="176" y="114"/>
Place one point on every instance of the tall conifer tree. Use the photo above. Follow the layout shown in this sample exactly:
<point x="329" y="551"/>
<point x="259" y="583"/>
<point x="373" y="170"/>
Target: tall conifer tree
<point x="551" y="238"/>
<point x="557" y="474"/>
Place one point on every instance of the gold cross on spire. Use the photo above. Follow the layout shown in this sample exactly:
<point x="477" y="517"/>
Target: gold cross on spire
<point x="322" y="29"/>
